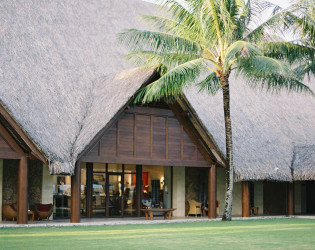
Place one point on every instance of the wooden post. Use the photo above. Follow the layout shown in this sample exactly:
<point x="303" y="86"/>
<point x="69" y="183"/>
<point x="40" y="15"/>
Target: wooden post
<point x="122" y="183"/>
<point x="245" y="199"/>
<point x="76" y="193"/>
<point x="22" y="201"/>
<point x="212" y="192"/>
<point x="290" y="196"/>
<point x="89" y="189"/>
<point x="139" y="188"/>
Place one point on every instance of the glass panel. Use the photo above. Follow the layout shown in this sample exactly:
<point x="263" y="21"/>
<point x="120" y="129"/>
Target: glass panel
<point x="115" y="168"/>
<point x="153" y="182"/>
<point x="99" y="167"/>
<point x="98" y="201"/>
<point x="130" y="168"/>
<point x="62" y="196"/>
<point x="130" y="195"/>
<point x="114" y="188"/>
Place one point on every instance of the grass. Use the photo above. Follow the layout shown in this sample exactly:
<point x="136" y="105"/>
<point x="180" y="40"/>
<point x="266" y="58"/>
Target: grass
<point x="248" y="234"/>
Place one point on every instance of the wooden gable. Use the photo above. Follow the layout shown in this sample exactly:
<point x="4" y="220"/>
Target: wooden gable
<point x="147" y="136"/>
<point x="6" y="151"/>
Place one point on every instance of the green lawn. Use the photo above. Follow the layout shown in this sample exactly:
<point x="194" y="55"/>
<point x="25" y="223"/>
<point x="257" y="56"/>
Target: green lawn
<point x="250" y="234"/>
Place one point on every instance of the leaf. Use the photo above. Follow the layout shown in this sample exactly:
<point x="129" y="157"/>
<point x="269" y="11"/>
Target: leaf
<point x="170" y="85"/>
<point x="238" y="50"/>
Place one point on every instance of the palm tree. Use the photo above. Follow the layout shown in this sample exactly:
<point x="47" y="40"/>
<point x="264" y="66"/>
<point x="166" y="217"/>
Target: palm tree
<point x="200" y="42"/>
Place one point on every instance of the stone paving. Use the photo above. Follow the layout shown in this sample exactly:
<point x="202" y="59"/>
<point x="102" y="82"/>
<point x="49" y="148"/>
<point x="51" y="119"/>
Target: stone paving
<point x="131" y="221"/>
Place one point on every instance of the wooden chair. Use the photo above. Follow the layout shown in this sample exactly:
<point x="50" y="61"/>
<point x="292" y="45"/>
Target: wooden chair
<point x="194" y="207"/>
<point x="43" y="211"/>
<point x="9" y="212"/>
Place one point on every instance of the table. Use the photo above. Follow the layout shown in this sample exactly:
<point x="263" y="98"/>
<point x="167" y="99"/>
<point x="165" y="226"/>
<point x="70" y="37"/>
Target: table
<point x="166" y="211"/>
<point x="32" y="215"/>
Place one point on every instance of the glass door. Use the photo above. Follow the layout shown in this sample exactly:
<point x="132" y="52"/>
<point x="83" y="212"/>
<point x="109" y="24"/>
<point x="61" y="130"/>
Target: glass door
<point x="99" y="185"/>
<point x="114" y="194"/>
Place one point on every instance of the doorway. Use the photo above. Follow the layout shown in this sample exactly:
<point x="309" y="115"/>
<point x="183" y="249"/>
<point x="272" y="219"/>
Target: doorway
<point x="113" y="190"/>
<point x="114" y="205"/>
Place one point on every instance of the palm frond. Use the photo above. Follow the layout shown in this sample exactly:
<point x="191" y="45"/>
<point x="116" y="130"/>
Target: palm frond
<point x="292" y="53"/>
<point x="305" y="69"/>
<point x="211" y="84"/>
<point x="148" y="59"/>
<point x="265" y="65"/>
<point x="271" y="74"/>
<point x="239" y="50"/>
<point x="188" y="28"/>
<point x="157" y="41"/>
<point x="170" y="85"/>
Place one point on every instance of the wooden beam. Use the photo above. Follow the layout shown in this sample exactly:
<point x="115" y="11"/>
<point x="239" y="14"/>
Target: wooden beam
<point x="76" y="193"/>
<point x="138" y="189"/>
<point x="290" y="197"/>
<point x="212" y="192"/>
<point x="245" y="199"/>
<point x="138" y="161"/>
<point x="10" y="141"/>
<point x="122" y="186"/>
<point x="22" y="201"/>
<point x="89" y="189"/>
<point x="34" y="150"/>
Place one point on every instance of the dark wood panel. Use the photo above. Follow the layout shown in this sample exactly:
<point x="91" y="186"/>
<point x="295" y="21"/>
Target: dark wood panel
<point x="126" y="135"/>
<point x="109" y="142"/>
<point x="158" y="137"/>
<point x="173" y="139"/>
<point x="189" y="148"/>
<point x="150" y="111"/>
<point x="143" y="136"/>
<point x="95" y="151"/>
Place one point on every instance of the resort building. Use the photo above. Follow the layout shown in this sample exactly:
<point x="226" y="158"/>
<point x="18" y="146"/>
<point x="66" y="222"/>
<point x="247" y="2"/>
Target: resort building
<point x="71" y="136"/>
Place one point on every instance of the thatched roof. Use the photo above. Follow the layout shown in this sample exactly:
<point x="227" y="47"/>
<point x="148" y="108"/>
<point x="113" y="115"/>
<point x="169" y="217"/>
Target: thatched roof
<point x="265" y="127"/>
<point x="55" y="60"/>
<point x="58" y="66"/>
<point x="303" y="164"/>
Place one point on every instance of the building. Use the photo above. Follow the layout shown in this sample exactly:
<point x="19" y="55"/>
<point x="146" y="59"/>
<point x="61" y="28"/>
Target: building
<point x="66" y="109"/>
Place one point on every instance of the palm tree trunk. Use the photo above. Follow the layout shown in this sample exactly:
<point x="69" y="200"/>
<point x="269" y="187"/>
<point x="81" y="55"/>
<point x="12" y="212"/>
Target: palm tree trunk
<point x="227" y="214"/>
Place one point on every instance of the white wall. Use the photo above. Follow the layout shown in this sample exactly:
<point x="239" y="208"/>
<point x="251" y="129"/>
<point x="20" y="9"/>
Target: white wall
<point x="1" y="174"/>
<point x="167" y="187"/>
<point x="221" y="188"/>
<point x="179" y="191"/>
<point x="47" y="188"/>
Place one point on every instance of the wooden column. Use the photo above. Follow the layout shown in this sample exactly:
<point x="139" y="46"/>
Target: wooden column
<point x="212" y="192"/>
<point x="139" y="189"/>
<point x="22" y="201"/>
<point x="290" y="196"/>
<point x="89" y="189"/>
<point x="76" y="193"/>
<point x="245" y="199"/>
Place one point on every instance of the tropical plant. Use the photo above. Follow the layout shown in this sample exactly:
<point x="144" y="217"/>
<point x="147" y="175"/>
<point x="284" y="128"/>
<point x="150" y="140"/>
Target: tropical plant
<point x="201" y="42"/>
